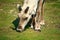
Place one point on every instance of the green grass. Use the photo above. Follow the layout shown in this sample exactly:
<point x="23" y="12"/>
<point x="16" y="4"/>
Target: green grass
<point x="51" y="30"/>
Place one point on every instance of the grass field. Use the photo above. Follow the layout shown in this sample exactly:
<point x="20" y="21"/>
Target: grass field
<point x="50" y="31"/>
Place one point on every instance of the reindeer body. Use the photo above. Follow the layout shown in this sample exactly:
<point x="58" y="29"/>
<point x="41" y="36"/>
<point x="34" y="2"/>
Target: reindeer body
<point x="29" y="8"/>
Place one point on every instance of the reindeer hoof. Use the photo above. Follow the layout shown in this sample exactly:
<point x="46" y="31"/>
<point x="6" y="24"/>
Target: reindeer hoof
<point x="31" y="27"/>
<point x="42" y="23"/>
<point x="38" y="30"/>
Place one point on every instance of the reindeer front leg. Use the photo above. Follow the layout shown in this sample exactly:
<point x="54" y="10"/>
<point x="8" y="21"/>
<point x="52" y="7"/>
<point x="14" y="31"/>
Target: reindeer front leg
<point x="33" y="22"/>
<point x="41" y="11"/>
<point x="37" y="24"/>
<point x="39" y="16"/>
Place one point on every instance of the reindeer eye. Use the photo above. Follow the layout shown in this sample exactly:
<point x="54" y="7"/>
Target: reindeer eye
<point x="25" y="18"/>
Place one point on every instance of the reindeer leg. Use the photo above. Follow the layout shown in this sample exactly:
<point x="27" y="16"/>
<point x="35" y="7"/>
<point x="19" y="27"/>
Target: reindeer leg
<point x="32" y="25"/>
<point x="37" y="25"/>
<point x="38" y="17"/>
<point x="41" y="13"/>
<point x="33" y="21"/>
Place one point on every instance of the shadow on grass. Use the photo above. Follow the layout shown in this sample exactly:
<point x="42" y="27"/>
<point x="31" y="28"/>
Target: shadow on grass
<point x="16" y="23"/>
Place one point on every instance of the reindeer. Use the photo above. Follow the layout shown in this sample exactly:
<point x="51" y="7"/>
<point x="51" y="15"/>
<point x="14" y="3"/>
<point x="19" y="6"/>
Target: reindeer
<point x="30" y="9"/>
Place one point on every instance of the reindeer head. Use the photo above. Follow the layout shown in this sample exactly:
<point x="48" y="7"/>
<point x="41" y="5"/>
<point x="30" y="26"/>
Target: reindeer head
<point x="24" y="18"/>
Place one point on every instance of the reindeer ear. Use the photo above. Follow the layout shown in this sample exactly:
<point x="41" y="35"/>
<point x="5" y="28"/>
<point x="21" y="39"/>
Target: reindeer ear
<point x="20" y="9"/>
<point x="26" y="10"/>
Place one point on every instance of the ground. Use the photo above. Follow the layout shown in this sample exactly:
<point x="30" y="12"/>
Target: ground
<point x="50" y="31"/>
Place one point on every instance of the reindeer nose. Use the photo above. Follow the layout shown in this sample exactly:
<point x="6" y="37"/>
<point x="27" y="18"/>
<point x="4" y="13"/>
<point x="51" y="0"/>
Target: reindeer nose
<point x="19" y="29"/>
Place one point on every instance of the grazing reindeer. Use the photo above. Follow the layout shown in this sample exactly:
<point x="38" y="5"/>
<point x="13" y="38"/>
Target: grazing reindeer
<point x="30" y="10"/>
